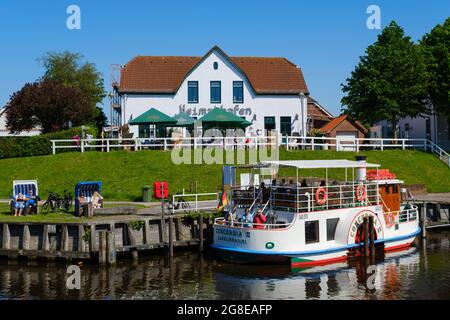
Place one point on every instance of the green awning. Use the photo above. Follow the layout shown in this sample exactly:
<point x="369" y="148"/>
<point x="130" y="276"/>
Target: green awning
<point x="184" y="120"/>
<point x="153" y="116"/>
<point x="223" y="118"/>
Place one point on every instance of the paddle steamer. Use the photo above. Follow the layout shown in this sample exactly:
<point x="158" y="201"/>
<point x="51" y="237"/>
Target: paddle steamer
<point x="312" y="221"/>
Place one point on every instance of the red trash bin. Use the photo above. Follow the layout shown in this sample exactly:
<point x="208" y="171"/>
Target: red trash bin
<point x="157" y="189"/>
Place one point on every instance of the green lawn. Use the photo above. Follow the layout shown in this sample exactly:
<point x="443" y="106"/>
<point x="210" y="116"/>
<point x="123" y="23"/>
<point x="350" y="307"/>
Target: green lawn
<point x="5" y="216"/>
<point x="124" y="173"/>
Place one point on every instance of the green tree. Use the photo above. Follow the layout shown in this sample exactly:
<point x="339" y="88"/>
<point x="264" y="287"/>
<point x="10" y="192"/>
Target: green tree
<point x="436" y="47"/>
<point x="48" y="104"/>
<point x="67" y="68"/>
<point x="389" y="82"/>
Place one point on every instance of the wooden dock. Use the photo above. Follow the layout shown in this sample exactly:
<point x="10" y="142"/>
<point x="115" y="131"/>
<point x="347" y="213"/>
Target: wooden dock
<point x="128" y="235"/>
<point x="434" y="211"/>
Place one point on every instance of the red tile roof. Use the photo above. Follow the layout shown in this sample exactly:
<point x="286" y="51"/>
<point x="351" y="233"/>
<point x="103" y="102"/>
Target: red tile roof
<point x="316" y="111"/>
<point x="164" y="74"/>
<point x="330" y="126"/>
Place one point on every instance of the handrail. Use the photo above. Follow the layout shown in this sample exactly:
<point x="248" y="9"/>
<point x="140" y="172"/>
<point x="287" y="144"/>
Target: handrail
<point x="405" y="213"/>
<point x="293" y="197"/>
<point x="195" y="201"/>
<point x="254" y="201"/>
<point x="250" y="225"/>
<point x="441" y="153"/>
<point x="290" y="142"/>
<point x="265" y="206"/>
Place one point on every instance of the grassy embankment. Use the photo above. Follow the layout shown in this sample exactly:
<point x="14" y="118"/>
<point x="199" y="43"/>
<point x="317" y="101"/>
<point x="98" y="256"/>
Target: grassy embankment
<point x="124" y="173"/>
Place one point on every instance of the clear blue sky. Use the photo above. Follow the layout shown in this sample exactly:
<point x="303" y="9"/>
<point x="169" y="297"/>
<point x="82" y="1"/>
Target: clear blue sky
<point x="325" y="38"/>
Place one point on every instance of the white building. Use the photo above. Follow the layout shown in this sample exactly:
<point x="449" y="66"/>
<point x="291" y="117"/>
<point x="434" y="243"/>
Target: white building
<point x="268" y="92"/>
<point x="4" y="132"/>
<point x="434" y="127"/>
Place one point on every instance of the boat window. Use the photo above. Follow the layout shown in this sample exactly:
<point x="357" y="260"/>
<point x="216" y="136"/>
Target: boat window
<point x="331" y="228"/>
<point x="311" y="231"/>
<point x="395" y="188"/>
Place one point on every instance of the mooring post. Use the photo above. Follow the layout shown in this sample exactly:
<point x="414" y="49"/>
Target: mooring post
<point x="45" y="238"/>
<point x="200" y="232"/>
<point x="6" y="243"/>
<point x="170" y="236"/>
<point x="111" y="247"/>
<point x="92" y="239"/>
<point x="81" y="243"/>
<point x="132" y="239"/>
<point x="372" y="236"/>
<point x="26" y="239"/>
<point x="163" y="220"/>
<point x="65" y="238"/>
<point x="366" y="236"/>
<point x="102" y="253"/>
<point x="146" y="232"/>
<point x="438" y="212"/>
<point x="423" y="220"/>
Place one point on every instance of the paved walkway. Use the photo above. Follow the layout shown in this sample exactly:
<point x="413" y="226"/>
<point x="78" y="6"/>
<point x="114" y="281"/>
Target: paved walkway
<point x="433" y="197"/>
<point x="154" y="208"/>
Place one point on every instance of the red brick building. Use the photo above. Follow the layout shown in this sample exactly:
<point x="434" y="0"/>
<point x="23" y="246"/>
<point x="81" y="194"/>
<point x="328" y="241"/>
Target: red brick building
<point x="344" y="127"/>
<point x="318" y="116"/>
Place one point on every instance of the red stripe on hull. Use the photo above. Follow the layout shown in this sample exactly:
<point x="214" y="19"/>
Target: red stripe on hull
<point x="317" y="262"/>
<point x="399" y="247"/>
<point x="342" y="258"/>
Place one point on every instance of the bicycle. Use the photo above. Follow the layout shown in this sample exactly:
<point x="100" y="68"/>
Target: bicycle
<point x="67" y="201"/>
<point x="52" y="203"/>
<point x="56" y="203"/>
<point x="171" y="207"/>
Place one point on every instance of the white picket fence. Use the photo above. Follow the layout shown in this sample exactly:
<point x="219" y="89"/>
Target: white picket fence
<point x="250" y="142"/>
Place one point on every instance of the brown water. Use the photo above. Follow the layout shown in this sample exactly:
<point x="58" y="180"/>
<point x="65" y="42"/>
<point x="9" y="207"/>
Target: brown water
<point x="422" y="272"/>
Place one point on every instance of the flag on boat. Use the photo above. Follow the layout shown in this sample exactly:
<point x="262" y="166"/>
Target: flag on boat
<point x="223" y="201"/>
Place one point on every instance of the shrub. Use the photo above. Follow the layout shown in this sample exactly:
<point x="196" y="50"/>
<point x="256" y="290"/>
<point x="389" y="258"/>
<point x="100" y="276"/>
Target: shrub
<point x="14" y="147"/>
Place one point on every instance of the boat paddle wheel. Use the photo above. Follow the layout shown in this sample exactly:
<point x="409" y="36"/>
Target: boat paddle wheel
<point x="359" y="251"/>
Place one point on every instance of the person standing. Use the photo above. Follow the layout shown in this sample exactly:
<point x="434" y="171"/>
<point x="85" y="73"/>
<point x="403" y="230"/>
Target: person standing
<point x="259" y="220"/>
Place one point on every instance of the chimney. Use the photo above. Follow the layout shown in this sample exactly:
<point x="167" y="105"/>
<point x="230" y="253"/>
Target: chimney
<point x="361" y="173"/>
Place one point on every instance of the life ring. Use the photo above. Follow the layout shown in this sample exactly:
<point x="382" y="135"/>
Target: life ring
<point x="389" y="219"/>
<point x="361" y="193"/>
<point x="321" y="196"/>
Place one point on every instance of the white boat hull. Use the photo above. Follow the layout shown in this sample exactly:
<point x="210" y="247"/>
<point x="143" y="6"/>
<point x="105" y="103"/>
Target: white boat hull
<point x="244" y="245"/>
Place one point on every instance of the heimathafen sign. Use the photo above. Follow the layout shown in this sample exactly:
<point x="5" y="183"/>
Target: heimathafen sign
<point x="194" y="112"/>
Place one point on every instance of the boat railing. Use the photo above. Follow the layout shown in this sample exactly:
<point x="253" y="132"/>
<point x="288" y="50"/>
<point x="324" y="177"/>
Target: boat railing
<point x="250" y="225"/>
<point x="405" y="215"/>
<point x="246" y="197"/>
<point x="319" y="198"/>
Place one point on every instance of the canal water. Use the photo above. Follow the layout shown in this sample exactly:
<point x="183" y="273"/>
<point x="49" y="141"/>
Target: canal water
<point x="422" y="272"/>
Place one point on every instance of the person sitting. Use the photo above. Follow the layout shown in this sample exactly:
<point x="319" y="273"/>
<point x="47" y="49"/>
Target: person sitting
<point x="246" y="219"/>
<point x="97" y="200"/>
<point x="304" y="184"/>
<point x="19" y="205"/>
<point x="259" y="220"/>
<point x="83" y="204"/>
<point x="323" y="183"/>
<point x="31" y="201"/>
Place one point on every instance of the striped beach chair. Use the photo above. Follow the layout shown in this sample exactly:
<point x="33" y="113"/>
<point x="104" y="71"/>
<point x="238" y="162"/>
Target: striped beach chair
<point x="88" y="189"/>
<point x="23" y="187"/>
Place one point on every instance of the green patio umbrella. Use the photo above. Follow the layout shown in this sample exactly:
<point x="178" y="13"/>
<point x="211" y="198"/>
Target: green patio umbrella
<point x="223" y="119"/>
<point x="183" y="120"/>
<point x="157" y="120"/>
<point x="155" y="117"/>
